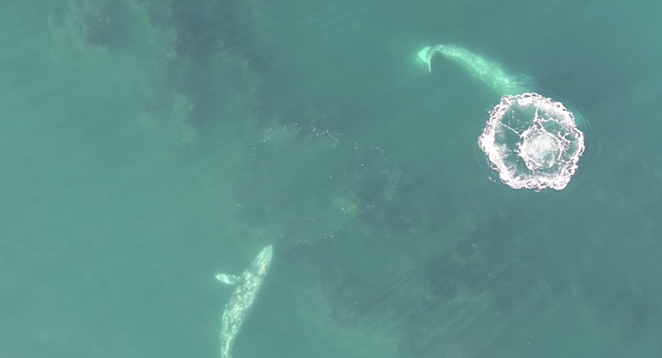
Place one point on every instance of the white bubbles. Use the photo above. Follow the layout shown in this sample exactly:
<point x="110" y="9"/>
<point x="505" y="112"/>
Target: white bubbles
<point x="533" y="142"/>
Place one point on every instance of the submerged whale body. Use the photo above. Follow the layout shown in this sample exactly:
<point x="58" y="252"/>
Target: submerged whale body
<point x="248" y="286"/>
<point x="488" y="72"/>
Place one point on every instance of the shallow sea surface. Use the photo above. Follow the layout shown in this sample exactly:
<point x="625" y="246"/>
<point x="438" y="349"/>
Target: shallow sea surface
<point x="146" y="146"/>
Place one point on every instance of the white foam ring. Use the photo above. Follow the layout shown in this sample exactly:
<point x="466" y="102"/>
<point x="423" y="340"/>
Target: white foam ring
<point x="533" y="142"/>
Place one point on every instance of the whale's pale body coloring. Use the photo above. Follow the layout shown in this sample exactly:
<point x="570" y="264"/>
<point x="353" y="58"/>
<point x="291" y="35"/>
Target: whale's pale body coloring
<point x="248" y="286"/>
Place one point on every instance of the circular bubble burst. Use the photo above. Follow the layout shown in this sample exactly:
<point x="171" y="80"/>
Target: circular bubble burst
<point x="533" y="142"/>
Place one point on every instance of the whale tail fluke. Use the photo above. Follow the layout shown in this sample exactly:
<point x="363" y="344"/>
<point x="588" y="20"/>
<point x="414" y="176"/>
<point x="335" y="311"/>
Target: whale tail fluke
<point x="425" y="55"/>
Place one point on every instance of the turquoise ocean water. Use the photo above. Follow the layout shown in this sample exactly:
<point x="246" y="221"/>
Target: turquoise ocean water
<point x="146" y="146"/>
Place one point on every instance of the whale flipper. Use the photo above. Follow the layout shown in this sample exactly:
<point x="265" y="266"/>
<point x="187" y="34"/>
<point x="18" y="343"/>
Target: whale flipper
<point x="227" y="279"/>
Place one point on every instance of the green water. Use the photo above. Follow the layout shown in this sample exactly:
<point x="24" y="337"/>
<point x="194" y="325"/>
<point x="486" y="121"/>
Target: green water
<point x="146" y="146"/>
